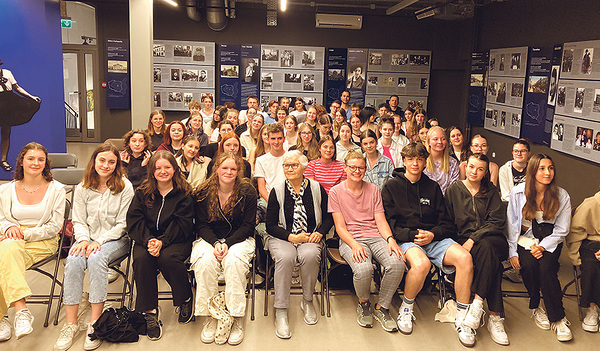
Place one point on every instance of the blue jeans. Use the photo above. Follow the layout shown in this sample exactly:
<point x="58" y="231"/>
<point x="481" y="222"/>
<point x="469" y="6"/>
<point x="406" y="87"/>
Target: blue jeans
<point x="97" y="266"/>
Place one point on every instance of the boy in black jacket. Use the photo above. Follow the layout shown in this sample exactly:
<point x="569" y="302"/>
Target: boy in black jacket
<point x="420" y="222"/>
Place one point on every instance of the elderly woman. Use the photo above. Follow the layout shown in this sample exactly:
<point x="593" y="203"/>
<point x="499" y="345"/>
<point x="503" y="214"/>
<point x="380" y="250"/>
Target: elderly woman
<point x="297" y="219"/>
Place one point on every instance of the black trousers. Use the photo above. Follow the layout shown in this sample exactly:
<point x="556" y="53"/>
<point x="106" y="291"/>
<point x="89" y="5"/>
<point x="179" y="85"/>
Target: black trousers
<point x="590" y="273"/>
<point x="171" y="263"/>
<point x="488" y="254"/>
<point x="542" y="275"/>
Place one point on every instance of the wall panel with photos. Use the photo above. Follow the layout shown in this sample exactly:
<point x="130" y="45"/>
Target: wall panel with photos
<point x="183" y="71"/>
<point x="292" y="71"/>
<point x="505" y="88"/>
<point x="401" y="72"/>
<point x="576" y="129"/>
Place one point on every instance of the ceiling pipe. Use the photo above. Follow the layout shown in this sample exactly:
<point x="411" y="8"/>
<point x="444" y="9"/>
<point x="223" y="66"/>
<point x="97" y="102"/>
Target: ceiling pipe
<point x="192" y="10"/>
<point x="215" y="15"/>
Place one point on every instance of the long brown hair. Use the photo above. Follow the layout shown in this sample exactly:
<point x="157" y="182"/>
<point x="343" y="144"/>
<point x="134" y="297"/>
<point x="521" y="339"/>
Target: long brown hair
<point x="151" y="126"/>
<point x="187" y="139"/>
<point x="91" y="179"/>
<point x="167" y="133"/>
<point x="226" y="137"/>
<point x="129" y="134"/>
<point x="149" y="185"/>
<point x="484" y="185"/>
<point x="551" y="202"/>
<point x="313" y="148"/>
<point x="208" y="191"/>
<point x="46" y="173"/>
<point x="260" y="144"/>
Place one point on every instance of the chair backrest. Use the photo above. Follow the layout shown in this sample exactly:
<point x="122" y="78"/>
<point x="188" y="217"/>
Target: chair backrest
<point x="68" y="176"/>
<point x="62" y="160"/>
<point x="117" y="142"/>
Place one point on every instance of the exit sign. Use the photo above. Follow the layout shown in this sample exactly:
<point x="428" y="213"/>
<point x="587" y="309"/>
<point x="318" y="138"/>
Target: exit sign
<point x="66" y="23"/>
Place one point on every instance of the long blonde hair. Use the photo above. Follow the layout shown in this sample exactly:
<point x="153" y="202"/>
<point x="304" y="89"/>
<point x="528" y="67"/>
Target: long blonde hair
<point x="445" y="164"/>
<point x="313" y="148"/>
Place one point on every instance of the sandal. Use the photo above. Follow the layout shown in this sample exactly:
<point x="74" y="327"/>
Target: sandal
<point x="5" y="166"/>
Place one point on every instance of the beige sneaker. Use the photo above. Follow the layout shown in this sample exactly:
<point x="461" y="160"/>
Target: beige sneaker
<point x="67" y="335"/>
<point x="561" y="328"/>
<point x="540" y="318"/>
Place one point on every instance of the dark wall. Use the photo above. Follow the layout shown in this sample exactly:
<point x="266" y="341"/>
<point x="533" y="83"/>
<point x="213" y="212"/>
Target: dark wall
<point x="537" y="23"/>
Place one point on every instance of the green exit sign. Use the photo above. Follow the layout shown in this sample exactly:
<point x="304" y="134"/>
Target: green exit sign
<point x="66" y="23"/>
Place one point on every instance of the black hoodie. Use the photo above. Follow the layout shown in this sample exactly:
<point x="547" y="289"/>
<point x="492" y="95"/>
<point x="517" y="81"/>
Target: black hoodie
<point x="411" y="206"/>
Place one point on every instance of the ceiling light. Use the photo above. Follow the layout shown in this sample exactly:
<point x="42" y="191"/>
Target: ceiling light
<point x="171" y="2"/>
<point x="283" y="5"/>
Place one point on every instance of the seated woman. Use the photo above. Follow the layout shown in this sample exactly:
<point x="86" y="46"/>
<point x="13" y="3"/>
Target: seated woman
<point x="441" y="168"/>
<point x="479" y="143"/>
<point x="230" y="142"/>
<point x="225" y="219"/>
<point x="583" y="242"/>
<point x="299" y="110"/>
<point x="459" y="147"/>
<point x="367" y="118"/>
<point x="345" y="144"/>
<point x="297" y="220"/>
<point x="539" y="216"/>
<point x="250" y="137"/>
<point x="338" y="119"/>
<point x="156" y="129"/>
<point x="312" y="117"/>
<point x="210" y="150"/>
<point x="100" y="205"/>
<point x="262" y="146"/>
<point x="207" y="110"/>
<point x="232" y="115"/>
<point x="195" y="127"/>
<point x="326" y="170"/>
<point x="379" y="168"/>
<point x="324" y="127"/>
<point x="409" y="126"/>
<point x="193" y="167"/>
<point x="32" y="209"/>
<point x="512" y="173"/>
<point x="282" y="113"/>
<point x="307" y="143"/>
<point x="387" y="145"/>
<point x="214" y="122"/>
<point x="356" y="125"/>
<point x="160" y="221"/>
<point x="174" y="135"/>
<point x="290" y="125"/>
<point x="477" y="211"/>
<point x="136" y="155"/>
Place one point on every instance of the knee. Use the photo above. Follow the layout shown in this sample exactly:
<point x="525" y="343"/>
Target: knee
<point x="394" y="266"/>
<point x="232" y="262"/>
<point x="420" y="266"/>
<point x="97" y="260"/>
<point x="284" y="258"/>
<point x="363" y="270"/>
<point x="464" y="261"/>
<point x="9" y="247"/>
<point x="75" y="264"/>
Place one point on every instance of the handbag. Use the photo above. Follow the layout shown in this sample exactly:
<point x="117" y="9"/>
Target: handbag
<point x="119" y="325"/>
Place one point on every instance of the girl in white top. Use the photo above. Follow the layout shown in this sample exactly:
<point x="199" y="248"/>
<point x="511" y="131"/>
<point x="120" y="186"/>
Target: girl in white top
<point x="299" y="112"/>
<point x="32" y="209"/>
<point x="344" y="144"/>
<point x="290" y="124"/>
<point x="207" y="111"/>
<point x="250" y="137"/>
<point x="193" y="166"/>
<point x="100" y="205"/>
<point x="389" y="147"/>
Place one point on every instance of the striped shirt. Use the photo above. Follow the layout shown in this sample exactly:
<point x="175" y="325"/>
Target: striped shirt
<point x="328" y="174"/>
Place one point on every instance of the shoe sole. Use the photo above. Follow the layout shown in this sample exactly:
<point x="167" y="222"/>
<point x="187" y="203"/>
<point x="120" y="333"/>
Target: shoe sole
<point x="19" y="336"/>
<point x="590" y="328"/>
<point x="405" y="332"/>
<point x="541" y="326"/>
<point x="563" y="339"/>
<point x="305" y="321"/>
<point x="394" y="329"/>
<point x="364" y="325"/>
<point x="235" y="342"/>
<point x="90" y="348"/>
<point x="465" y="344"/>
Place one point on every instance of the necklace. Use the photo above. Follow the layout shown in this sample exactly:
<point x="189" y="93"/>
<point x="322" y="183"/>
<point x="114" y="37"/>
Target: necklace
<point x="30" y="191"/>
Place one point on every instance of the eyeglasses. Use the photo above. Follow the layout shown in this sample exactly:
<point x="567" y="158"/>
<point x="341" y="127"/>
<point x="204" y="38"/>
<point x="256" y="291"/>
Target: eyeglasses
<point x="291" y="166"/>
<point x="520" y="152"/>
<point x="353" y="169"/>
<point x="479" y="147"/>
<point x="305" y="133"/>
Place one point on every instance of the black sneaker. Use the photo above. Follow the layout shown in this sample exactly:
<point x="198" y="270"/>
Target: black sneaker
<point x="186" y="312"/>
<point x="153" y="326"/>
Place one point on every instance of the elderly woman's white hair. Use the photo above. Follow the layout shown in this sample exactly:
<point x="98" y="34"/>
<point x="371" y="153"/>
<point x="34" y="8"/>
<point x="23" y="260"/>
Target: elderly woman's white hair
<point x="302" y="159"/>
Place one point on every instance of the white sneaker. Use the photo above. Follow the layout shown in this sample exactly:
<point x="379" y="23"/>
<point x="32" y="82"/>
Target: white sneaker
<point x="563" y="333"/>
<point x="405" y="319"/>
<point x="237" y="332"/>
<point x="466" y="335"/>
<point x="590" y="321"/>
<point x="208" y="330"/>
<point x="5" y="329"/>
<point x="67" y="335"/>
<point x="496" y="329"/>
<point x="473" y="319"/>
<point x="90" y="344"/>
<point x="540" y="318"/>
<point x="23" y="323"/>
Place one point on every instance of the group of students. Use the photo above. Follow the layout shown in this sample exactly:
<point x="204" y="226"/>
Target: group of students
<point x="403" y="201"/>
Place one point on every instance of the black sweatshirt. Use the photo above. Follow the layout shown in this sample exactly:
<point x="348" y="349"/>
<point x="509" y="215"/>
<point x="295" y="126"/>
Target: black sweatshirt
<point x="411" y="206"/>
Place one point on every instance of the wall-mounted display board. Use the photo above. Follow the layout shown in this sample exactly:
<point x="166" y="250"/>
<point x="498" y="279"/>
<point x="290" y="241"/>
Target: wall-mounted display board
<point x="117" y="74"/>
<point x="542" y="77"/>
<point x="505" y="90"/>
<point x="309" y="98"/>
<point x="239" y="73"/>
<point x="183" y="70"/>
<point x="337" y="60"/>
<point x="415" y="101"/>
<point x="576" y="128"/>
<point x="479" y="67"/>
<point x="356" y="70"/>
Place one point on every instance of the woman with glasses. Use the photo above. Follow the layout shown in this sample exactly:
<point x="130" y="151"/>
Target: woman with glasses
<point x="512" y="173"/>
<point x="479" y="144"/>
<point x="307" y="143"/>
<point x="297" y="219"/>
<point x="441" y="168"/>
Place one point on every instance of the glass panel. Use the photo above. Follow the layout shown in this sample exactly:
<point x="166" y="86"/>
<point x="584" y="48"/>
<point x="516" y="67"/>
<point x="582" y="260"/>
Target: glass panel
<point x="71" y="92"/>
<point x="89" y="90"/>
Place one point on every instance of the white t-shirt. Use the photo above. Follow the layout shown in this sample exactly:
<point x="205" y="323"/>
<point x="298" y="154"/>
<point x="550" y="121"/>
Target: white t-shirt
<point x="242" y="116"/>
<point x="271" y="168"/>
<point x="10" y="80"/>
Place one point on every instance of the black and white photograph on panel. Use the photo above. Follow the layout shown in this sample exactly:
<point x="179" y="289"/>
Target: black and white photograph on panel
<point x="266" y="81"/>
<point x="250" y="65"/>
<point x="561" y="96"/>
<point x="287" y="58"/>
<point x="516" y="90"/>
<point x="503" y="120"/>
<point x="399" y="59"/>
<point x="182" y="50"/>
<point x="597" y="142"/>
<point x="492" y="88"/>
<point x="538" y="84"/>
<point x="419" y="60"/>
<point x="492" y="63"/>
<point x="488" y="113"/>
<point x="230" y="71"/>
<point x="356" y="79"/>
<point x="375" y="59"/>
<point x="515" y="62"/>
<point x="579" y="96"/>
<point x="584" y="137"/>
<point x="553" y="85"/>
<point x="203" y="75"/>
<point x="586" y="61"/>
<point x="501" y="97"/>
<point x="336" y="74"/>
<point x="187" y="97"/>
<point x="516" y="119"/>
<point x="158" y="50"/>
<point x="157" y="75"/>
<point x="199" y="54"/>
<point x="477" y="80"/>
<point x="175" y="96"/>
<point x="373" y="81"/>
<point x="424" y="83"/>
<point x="270" y="54"/>
<point x="501" y="65"/>
<point x="189" y="75"/>
<point x="175" y="74"/>
<point x="596" y="104"/>
<point x="309" y="82"/>
<point x="567" y="63"/>
<point x="388" y="81"/>
<point x="157" y="99"/>
<point x="308" y="58"/>
<point x="401" y="82"/>
<point x="117" y="66"/>
<point x="495" y="119"/>
<point x="292" y="77"/>
<point x="558" y="131"/>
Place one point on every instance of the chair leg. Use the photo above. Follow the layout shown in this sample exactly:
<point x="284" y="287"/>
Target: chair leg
<point x="322" y="295"/>
<point x="52" y="287"/>
<point x="578" y="291"/>
<point x="267" y="279"/>
<point x="253" y="288"/>
<point x="126" y="281"/>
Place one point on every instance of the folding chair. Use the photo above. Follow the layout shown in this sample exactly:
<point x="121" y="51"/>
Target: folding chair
<point x="577" y="282"/>
<point x="115" y="265"/>
<point x="117" y="143"/>
<point x="37" y="267"/>
<point x="62" y="160"/>
<point x="69" y="177"/>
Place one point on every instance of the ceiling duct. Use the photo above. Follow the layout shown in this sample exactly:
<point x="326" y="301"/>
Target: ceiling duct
<point x="215" y="15"/>
<point x="456" y="11"/>
<point x="325" y="20"/>
<point x="192" y="10"/>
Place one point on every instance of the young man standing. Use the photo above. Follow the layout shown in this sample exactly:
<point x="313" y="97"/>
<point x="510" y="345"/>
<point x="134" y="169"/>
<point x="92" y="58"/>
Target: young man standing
<point x="268" y="170"/>
<point x="364" y="234"/>
<point x="418" y="216"/>
<point x="393" y="104"/>
<point x="345" y="98"/>
<point x="252" y="102"/>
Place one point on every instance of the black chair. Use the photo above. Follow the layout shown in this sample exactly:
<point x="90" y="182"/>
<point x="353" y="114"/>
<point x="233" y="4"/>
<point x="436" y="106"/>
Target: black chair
<point x="115" y="265"/>
<point x="47" y="299"/>
<point x="577" y="282"/>
<point x="62" y="160"/>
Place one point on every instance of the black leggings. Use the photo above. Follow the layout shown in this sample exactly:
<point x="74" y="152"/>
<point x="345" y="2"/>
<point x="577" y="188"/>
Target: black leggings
<point x="590" y="273"/>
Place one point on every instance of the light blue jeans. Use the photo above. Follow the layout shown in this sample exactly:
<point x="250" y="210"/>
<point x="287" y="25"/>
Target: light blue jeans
<point x="97" y="266"/>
